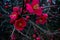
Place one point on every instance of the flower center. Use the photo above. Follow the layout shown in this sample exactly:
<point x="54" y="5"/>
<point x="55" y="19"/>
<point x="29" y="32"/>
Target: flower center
<point x="40" y="20"/>
<point x="14" y="15"/>
<point x="20" y="24"/>
<point x="36" y="6"/>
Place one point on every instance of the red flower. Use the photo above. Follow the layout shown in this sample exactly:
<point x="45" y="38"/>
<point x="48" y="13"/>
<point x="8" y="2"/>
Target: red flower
<point x="29" y="8"/>
<point x="13" y="17"/>
<point x="42" y="19"/>
<point x="34" y="35"/>
<point x="6" y="6"/>
<point x="36" y="8"/>
<point x="45" y="15"/>
<point x="38" y="38"/>
<point x="35" y="5"/>
<point x="15" y="9"/>
<point x="20" y="24"/>
<point x="27" y="18"/>
<point x="38" y="12"/>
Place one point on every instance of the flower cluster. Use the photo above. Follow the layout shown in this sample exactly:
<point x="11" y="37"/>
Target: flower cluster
<point x="33" y="8"/>
<point x="29" y="19"/>
<point x="19" y="23"/>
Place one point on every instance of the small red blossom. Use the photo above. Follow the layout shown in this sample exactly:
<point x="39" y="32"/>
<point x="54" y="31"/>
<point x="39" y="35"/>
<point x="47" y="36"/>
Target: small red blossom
<point x="42" y="19"/>
<point x="29" y="8"/>
<point x="35" y="5"/>
<point x="36" y="8"/>
<point x="27" y="17"/>
<point x="38" y="38"/>
<point x="38" y="12"/>
<point x="15" y="9"/>
<point x="45" y="15"/>
<point x="6" y="6"/>
<point x="20" y="24"/>
<point x="34" y="35"/>
<point x="13" y="16"/>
